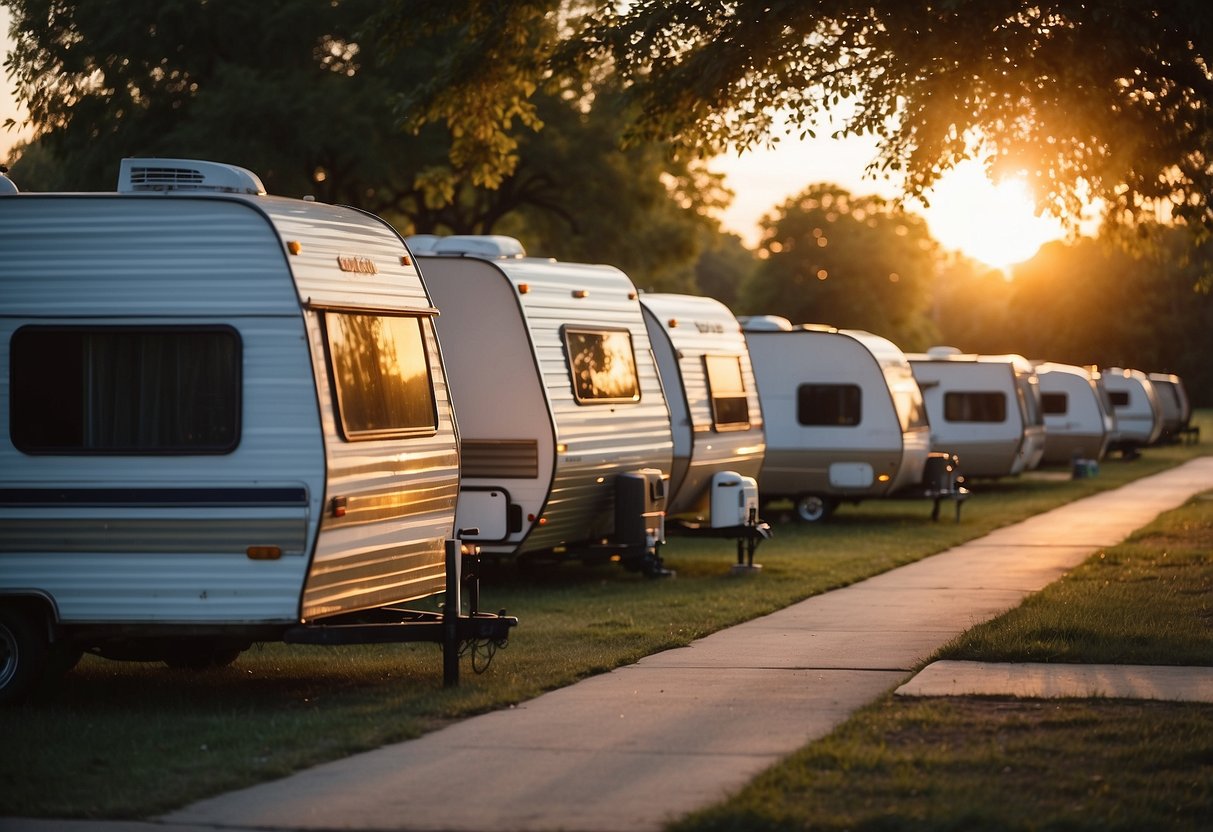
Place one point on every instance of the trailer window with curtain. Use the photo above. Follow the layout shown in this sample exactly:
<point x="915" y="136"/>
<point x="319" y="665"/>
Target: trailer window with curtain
<point x="125" y="390"/>
<point x="726" y="389"/>
<point x="963" y="406"/>
<point x="602" y="365"/>
<point x="381" y="375"/>
<point x="829" y="405"/>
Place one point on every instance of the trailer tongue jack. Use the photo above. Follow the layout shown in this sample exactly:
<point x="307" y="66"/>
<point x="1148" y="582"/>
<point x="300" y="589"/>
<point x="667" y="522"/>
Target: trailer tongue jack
<point x="478" y="633"/>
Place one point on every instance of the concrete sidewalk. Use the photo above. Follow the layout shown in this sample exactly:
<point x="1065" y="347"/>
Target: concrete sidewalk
<point x="645" y="744"/>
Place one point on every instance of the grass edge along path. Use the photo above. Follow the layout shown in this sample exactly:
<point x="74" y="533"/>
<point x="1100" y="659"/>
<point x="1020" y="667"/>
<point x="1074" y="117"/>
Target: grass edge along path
<point x="998" y="763"/>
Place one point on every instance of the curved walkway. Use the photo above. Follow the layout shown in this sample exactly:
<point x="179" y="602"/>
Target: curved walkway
<point x="645" y="744"/>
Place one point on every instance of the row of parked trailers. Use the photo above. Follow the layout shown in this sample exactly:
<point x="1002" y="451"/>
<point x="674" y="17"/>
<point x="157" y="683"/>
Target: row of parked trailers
<point x="232" y="418"/>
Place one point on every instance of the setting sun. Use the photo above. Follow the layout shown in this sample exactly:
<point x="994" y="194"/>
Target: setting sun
<point x="993" y="223"/>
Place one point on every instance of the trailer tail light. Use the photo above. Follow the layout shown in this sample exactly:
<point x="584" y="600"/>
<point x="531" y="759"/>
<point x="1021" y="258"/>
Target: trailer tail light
<point x="339" y="506"/>
<point x="294" y="246"/>
<point x="263" y="552"/>
<point x="883" y="478"/>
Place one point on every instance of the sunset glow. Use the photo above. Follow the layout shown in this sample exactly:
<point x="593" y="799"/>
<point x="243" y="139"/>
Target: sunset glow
<point x="993" y="223"/>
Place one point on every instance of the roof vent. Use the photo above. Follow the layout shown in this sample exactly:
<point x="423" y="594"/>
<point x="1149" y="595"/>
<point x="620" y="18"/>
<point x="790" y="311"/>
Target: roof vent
<point x="482" y="245"/>
<point x="422" y="243"/>
<point x="765" y="323"/>
<point x="942" y="351"/>
<point x="154" y="175"/>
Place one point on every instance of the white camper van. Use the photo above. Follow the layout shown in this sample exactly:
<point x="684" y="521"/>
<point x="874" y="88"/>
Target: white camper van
<point x="1138" y="411"/>
<point x="715" y="415"/>
<point x="565" y="433"/>
<point x="224" y="420"/>
<point x="844" y="417"/>
<point x="1176" y="409"/>
<point x="1078" y="417"/>
<point x="984" y="408"/>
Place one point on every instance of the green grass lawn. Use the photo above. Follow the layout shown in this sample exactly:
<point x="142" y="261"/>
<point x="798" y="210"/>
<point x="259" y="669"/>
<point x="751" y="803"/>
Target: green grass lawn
<point x="1004" y="763"/>
<point x="132" y="740"/>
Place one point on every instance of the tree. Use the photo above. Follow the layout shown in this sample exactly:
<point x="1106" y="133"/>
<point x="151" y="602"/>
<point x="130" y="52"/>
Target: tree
<point x="851" y="262"/>
<point x="1105" y="100"/>
<point x="593" y="202"/>
<point x="282" y="87"/>
<point x="309" y="96"/>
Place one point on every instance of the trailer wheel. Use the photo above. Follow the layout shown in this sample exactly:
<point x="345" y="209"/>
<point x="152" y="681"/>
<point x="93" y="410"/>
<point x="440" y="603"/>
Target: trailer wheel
<point x="23" y="651"/>
<point x="813" y="508"/>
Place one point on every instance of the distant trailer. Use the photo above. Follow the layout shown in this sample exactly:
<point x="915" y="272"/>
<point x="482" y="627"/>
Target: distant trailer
<point x="1139" y="417"/>
<point x="844" y="416"/>
<point x="984" y="408"/>
<point x="223" y="420"/>
<point x="1176" y="409"/>
<point x="565" y="430"/>
<point x="715" y="415"/>
<point x="1079" y="423"/>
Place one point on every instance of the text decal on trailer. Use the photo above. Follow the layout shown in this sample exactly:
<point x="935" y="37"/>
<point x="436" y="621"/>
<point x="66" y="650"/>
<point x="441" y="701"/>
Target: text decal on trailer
<point x="356" y="263"/>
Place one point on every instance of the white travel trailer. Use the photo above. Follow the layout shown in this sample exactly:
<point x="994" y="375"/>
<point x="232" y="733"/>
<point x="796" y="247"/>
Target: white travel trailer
<point x="1173" y="401"/>
<point x="715" y="415"/>
<point x="844" y="417"/>
<point x="983" y="408"/>
<point x="223" y="420"/>
<point x="1078" y="417"/>
<point x="565" y="432"/>
<point x="1138" y="411"/>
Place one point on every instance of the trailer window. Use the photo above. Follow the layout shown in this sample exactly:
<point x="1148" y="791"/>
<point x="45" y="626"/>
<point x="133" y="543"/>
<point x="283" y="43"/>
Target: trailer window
<point x="1119" y="398"/>
<point x="125" y="390"/>
<point x="381" y="375"/>
<point x="962" y="406"/>
<point x="829" y="405"/>
<point x="726" y="389"/>
<point x="602" y="365"/>
<point x="1054" y="404"/>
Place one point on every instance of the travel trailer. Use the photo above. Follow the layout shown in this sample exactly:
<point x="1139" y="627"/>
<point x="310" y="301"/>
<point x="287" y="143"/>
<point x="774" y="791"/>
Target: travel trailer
<point x="715" y="415"/>
<point x="223" y="420"/>
<point x="1078" y="417"/>
<point x="844" y="418"/>
<point x="565" y="432"/>
<point x="1138" y="411"/>
<point x="983" y="408"/>
<point x="1176" y="409"/>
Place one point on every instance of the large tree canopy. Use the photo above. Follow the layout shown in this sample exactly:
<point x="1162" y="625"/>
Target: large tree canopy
<point x="1109" y="99"/>
<point x="1105" y="99"/>
<point x="344" y="101"/>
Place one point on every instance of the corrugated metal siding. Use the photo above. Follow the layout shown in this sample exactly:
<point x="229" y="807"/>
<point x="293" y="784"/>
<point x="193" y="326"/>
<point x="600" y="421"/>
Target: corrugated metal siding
<point x="390" y="546"/>
<point x="149" y="259"/>
<point x="111" y="260"/>
<point x="327" y="233"/>
<point x="137" y="256"/>
<point x="707" y="327"/>
<point x="602" y="440"/>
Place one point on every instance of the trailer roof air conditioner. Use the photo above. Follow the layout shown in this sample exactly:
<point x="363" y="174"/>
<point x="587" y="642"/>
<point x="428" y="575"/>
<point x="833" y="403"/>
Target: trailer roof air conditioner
<point x="151" y="175"/>
<point x="484" y="245"/>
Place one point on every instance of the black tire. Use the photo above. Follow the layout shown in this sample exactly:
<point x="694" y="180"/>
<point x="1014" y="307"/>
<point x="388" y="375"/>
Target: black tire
<point x="814" y="508"/>
<point x="23" y="654"/>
